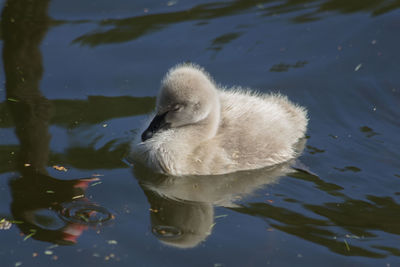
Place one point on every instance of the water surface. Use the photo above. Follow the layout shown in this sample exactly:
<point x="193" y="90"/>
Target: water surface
<point x="79" y="77"/>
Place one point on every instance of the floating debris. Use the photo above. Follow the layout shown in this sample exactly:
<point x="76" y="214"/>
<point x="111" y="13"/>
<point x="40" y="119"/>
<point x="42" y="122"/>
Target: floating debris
<point x="112" y="242"/>
<point x="347" y="245"/>
<point x="60" y="168"/>
<point x="16" y="222"/>
<point x="52" y="246"/>
<point x="12" y="99"/>
<point x="154" y="210"/>
<point x="211" y="227"/>
<point x="358" y="67"/>
<point x="172" y="3"/>
<point x="97" y="183"/>
<point x="4" y="224"/>
<point x="352" y="236"/>
<point x="48" y="252"/>
<point x="33" y="232"/>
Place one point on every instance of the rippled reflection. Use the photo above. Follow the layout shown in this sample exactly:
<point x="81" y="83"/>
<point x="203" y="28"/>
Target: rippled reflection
<point x="85" y="213"/>
<point x="38" y="200"/>
<point x="346" y="227"/>
<point x="128" y="29"/>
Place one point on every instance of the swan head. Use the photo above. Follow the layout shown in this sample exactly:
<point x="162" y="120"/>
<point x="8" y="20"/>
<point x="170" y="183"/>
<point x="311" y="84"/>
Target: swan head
<point x="187" y="97"/>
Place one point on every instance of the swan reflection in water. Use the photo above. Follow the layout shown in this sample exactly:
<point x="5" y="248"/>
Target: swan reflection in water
<point x="182" y="208"/>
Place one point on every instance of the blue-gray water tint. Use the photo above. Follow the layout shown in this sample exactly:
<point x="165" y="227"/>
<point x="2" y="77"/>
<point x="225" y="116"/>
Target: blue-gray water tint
<point x="78" y="78"/>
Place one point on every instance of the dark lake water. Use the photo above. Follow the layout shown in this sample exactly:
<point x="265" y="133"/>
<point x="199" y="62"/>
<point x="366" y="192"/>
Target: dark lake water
<point x="78" y="78"/>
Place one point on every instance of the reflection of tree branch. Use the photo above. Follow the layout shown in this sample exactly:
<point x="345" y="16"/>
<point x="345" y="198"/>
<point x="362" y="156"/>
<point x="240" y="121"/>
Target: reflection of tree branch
<point x="132" y="28"/>
<point x="314" y="230"/>
<point x="358" y="217"/>
<point x="105" y="157"/>
<point x="24" y="24"/>
<point x="375" y="7"/>
<point x="22" y="34"/>
<point x="329" y="188"/>
<point x="93" y="110"/>
<point x="129" y="29"/>
<point x="100" y="108"/>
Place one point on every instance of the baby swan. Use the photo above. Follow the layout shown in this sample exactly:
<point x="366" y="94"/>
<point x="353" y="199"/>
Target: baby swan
<point x="200" y="129"/>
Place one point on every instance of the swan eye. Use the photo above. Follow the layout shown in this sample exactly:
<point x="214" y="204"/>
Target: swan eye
<point x="177" y="107"/>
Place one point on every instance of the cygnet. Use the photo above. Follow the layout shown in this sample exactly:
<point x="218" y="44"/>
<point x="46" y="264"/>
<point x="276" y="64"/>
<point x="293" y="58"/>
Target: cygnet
<point x="201" y="128"/>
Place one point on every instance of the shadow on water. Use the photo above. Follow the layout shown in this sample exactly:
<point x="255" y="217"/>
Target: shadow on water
<point x="128" y="29"/>
<point x="40" y="203"/>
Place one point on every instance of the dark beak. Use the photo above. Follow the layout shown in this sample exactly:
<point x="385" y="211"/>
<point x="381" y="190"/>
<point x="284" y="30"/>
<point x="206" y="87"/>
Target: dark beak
<point x="156" y="124"/>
